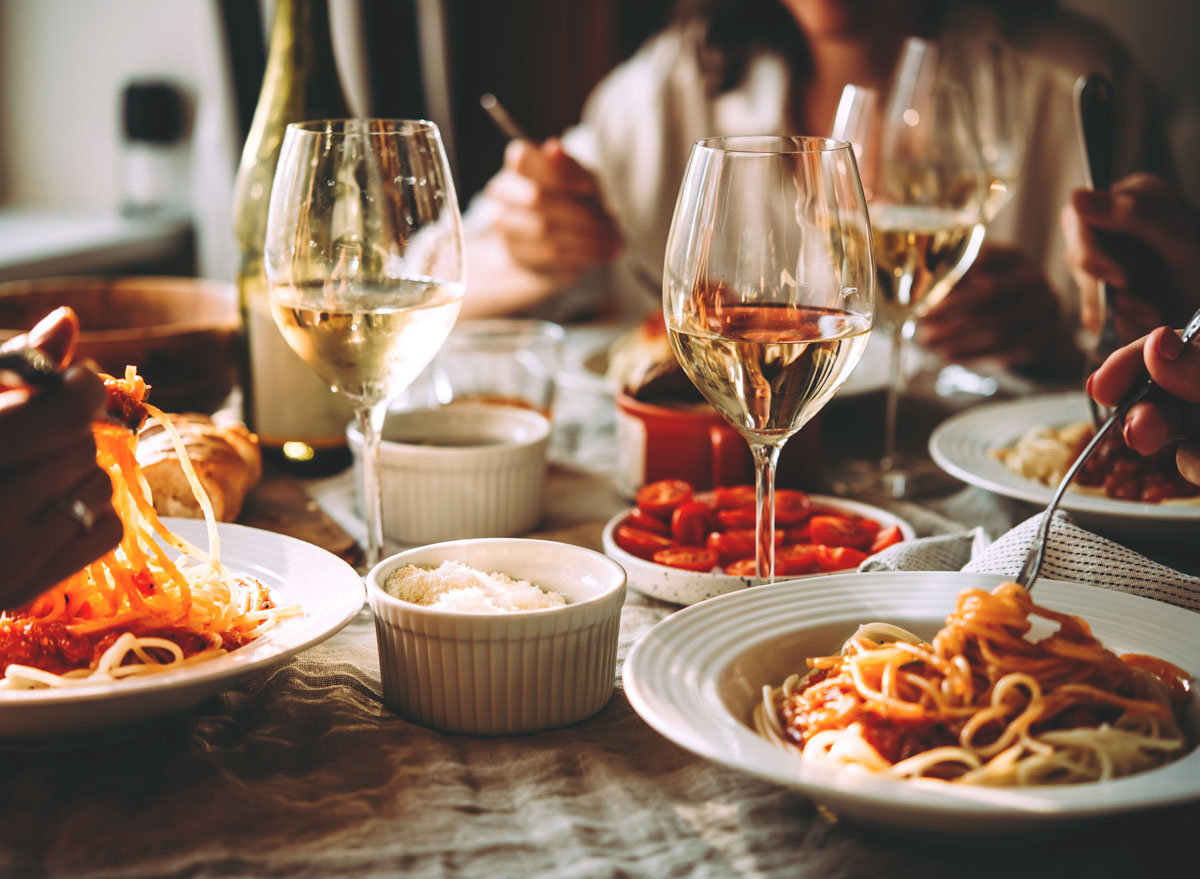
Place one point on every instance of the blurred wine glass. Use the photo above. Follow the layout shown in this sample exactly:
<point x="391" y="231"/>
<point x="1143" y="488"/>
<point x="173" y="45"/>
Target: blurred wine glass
<point x="769" y="289"/>
<point x="992" y="73"/>
<point x="993" y="77"/>
<point x="928" y="184"/>
<point x="364" y="259"/>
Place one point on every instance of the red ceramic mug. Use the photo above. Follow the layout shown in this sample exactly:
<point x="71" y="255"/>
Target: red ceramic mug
<point x="692" y="442"/>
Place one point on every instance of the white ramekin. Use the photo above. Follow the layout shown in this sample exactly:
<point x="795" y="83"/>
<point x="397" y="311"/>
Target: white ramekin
<point x="435" y="488"/>
<point x="502" y="673"/>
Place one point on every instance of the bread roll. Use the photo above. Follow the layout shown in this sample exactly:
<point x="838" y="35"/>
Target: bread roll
<point x="642" y="365"/>
<point x="226" y="458"/>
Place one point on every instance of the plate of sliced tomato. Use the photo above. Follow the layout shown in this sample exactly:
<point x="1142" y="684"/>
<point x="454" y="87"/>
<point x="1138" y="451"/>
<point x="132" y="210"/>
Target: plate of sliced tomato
<point x="683" y="546"/>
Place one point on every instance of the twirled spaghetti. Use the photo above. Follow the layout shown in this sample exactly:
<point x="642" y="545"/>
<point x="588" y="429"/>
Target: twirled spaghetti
<point x="136" y="610"/>
<point x="982" y="703"/>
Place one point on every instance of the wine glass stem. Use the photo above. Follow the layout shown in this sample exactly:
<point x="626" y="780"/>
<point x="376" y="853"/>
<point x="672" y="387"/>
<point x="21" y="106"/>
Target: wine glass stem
<point x="765" y="459"/>
<point x="370" y="424"/>
<point x="891" y="412"/>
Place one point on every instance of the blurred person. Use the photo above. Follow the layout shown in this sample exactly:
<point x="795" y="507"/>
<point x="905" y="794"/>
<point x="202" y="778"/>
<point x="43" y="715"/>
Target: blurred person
<point x="603" y="194"/>
<point x="1144" y="211"/>
<point x="56" y="512"/>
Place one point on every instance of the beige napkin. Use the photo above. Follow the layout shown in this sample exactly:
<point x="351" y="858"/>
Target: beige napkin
<point x="1072" y="553"/>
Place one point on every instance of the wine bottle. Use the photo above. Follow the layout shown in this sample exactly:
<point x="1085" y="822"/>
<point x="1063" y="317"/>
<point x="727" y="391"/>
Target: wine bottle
<point x="300" y="421"/>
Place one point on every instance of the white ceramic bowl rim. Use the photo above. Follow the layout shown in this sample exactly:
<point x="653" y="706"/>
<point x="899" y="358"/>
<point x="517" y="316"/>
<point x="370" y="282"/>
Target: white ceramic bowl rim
<point x="379" y="573"/>
<point x="538" y="424"/>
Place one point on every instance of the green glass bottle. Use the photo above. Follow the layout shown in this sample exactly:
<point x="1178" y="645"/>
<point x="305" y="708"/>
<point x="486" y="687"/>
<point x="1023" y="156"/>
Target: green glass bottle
<point x="299" y="420"/>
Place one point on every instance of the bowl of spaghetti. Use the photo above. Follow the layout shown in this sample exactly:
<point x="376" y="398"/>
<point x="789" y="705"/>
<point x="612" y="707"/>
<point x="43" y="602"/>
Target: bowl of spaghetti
<point x="942" y="703"/>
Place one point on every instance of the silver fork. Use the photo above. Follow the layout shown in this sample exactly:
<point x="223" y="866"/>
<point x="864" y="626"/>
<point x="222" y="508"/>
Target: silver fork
<point x="1037" y="549"/>
<point x="1096" y="119"/>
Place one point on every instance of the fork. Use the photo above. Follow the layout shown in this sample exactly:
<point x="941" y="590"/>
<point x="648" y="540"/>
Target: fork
<point x="32" y="365"/>
<point x="1096" y="118"/>
<point x="1037" y="549"/>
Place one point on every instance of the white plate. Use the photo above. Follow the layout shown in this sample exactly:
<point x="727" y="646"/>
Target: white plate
<point x="962" y="446"/>
<point x="696" y="676"/>
<point x="296" y="572"/>
<point x="688" y="587"/>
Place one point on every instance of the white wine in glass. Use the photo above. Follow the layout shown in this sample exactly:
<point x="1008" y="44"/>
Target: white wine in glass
<point x="364" y="259"/>
<point x="769" y="289"/>
<point x="928" y="185"/>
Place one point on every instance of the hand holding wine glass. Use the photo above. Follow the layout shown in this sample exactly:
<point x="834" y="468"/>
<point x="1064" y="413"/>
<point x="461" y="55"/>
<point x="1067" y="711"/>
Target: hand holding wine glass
<point x="769" y="289"/>
<point x="364" y="257"/>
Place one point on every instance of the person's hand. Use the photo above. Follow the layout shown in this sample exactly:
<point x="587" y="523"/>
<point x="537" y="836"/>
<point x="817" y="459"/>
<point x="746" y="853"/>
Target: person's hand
<point x="1002" y="309"/>
<point x="1150" y="258"/>
<point x="47" y="464"/>
<point x="552" y="216"/>
<point x="1149" y="426"/>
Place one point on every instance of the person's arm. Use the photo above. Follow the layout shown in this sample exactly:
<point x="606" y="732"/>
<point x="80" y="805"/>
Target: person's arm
<point x="1150" y="426"/>
<point x="1003" y="309"/>
<point x="56" y="511"/>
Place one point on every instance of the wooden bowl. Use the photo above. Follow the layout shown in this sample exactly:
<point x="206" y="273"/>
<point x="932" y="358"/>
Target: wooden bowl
<point x="178" y="332"/>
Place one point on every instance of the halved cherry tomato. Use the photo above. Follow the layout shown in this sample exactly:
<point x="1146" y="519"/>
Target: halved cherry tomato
<point x="868" y="524"/>
<point x="727" y="496"/>
<point x="791" y="507"/>
<point x="737" y="543"/>
<point x="839" y="558"/>
<point x="689" y="558"/>
<point x="662" y="497"/>
<point x="640" y="542"/>
<point x="641" y="519"/>
<point x="690" y="523"/>
<point x="742" y="568"/>
<point x="736" y="518"/>
<point x="885" y="538"/>
<point x="797" y="535"/>
<point x="839" y="531"/>
<point x="792" y="561"/>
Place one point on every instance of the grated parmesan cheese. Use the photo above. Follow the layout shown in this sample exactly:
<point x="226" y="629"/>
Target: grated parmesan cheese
<point x="457" y="587"/>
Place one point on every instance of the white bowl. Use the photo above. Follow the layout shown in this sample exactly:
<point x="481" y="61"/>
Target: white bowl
<point x="697" y="675"/>
<point x="502" y="673"/>
<point x="464" y="470"/>
<point x="688" y="587"/>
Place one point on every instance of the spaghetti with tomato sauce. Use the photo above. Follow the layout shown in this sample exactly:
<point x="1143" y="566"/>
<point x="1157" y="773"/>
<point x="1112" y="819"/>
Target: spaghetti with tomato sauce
<point x="982" y="703"/>
<point x="138" y="609"/>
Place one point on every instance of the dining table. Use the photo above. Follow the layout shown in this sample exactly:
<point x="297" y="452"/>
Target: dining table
<point x="300" y="770"/>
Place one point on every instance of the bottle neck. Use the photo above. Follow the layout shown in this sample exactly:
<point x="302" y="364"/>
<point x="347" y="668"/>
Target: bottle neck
<point x="301" y="62"/>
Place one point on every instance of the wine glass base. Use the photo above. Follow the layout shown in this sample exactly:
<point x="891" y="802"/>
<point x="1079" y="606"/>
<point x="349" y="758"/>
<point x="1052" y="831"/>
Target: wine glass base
<point x="906" y="478"/>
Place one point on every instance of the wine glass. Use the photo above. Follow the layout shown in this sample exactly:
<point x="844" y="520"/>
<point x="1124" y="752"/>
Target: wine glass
<point x="769" y="290"/>
<point x="993" y="76"/>
<point x="928" y="184"/>
<point x="365" y="264"/>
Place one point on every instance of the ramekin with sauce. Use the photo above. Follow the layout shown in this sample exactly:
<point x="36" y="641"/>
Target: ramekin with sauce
<point x="459" y="471"/>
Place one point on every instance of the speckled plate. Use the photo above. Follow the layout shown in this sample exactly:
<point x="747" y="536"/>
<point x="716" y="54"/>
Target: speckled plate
<point x="697" y="675"/>
<point x="688" y="587"/>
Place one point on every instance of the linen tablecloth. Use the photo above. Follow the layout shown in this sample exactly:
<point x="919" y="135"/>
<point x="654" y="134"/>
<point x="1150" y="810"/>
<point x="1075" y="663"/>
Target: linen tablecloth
<point x="301" y="771"/>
